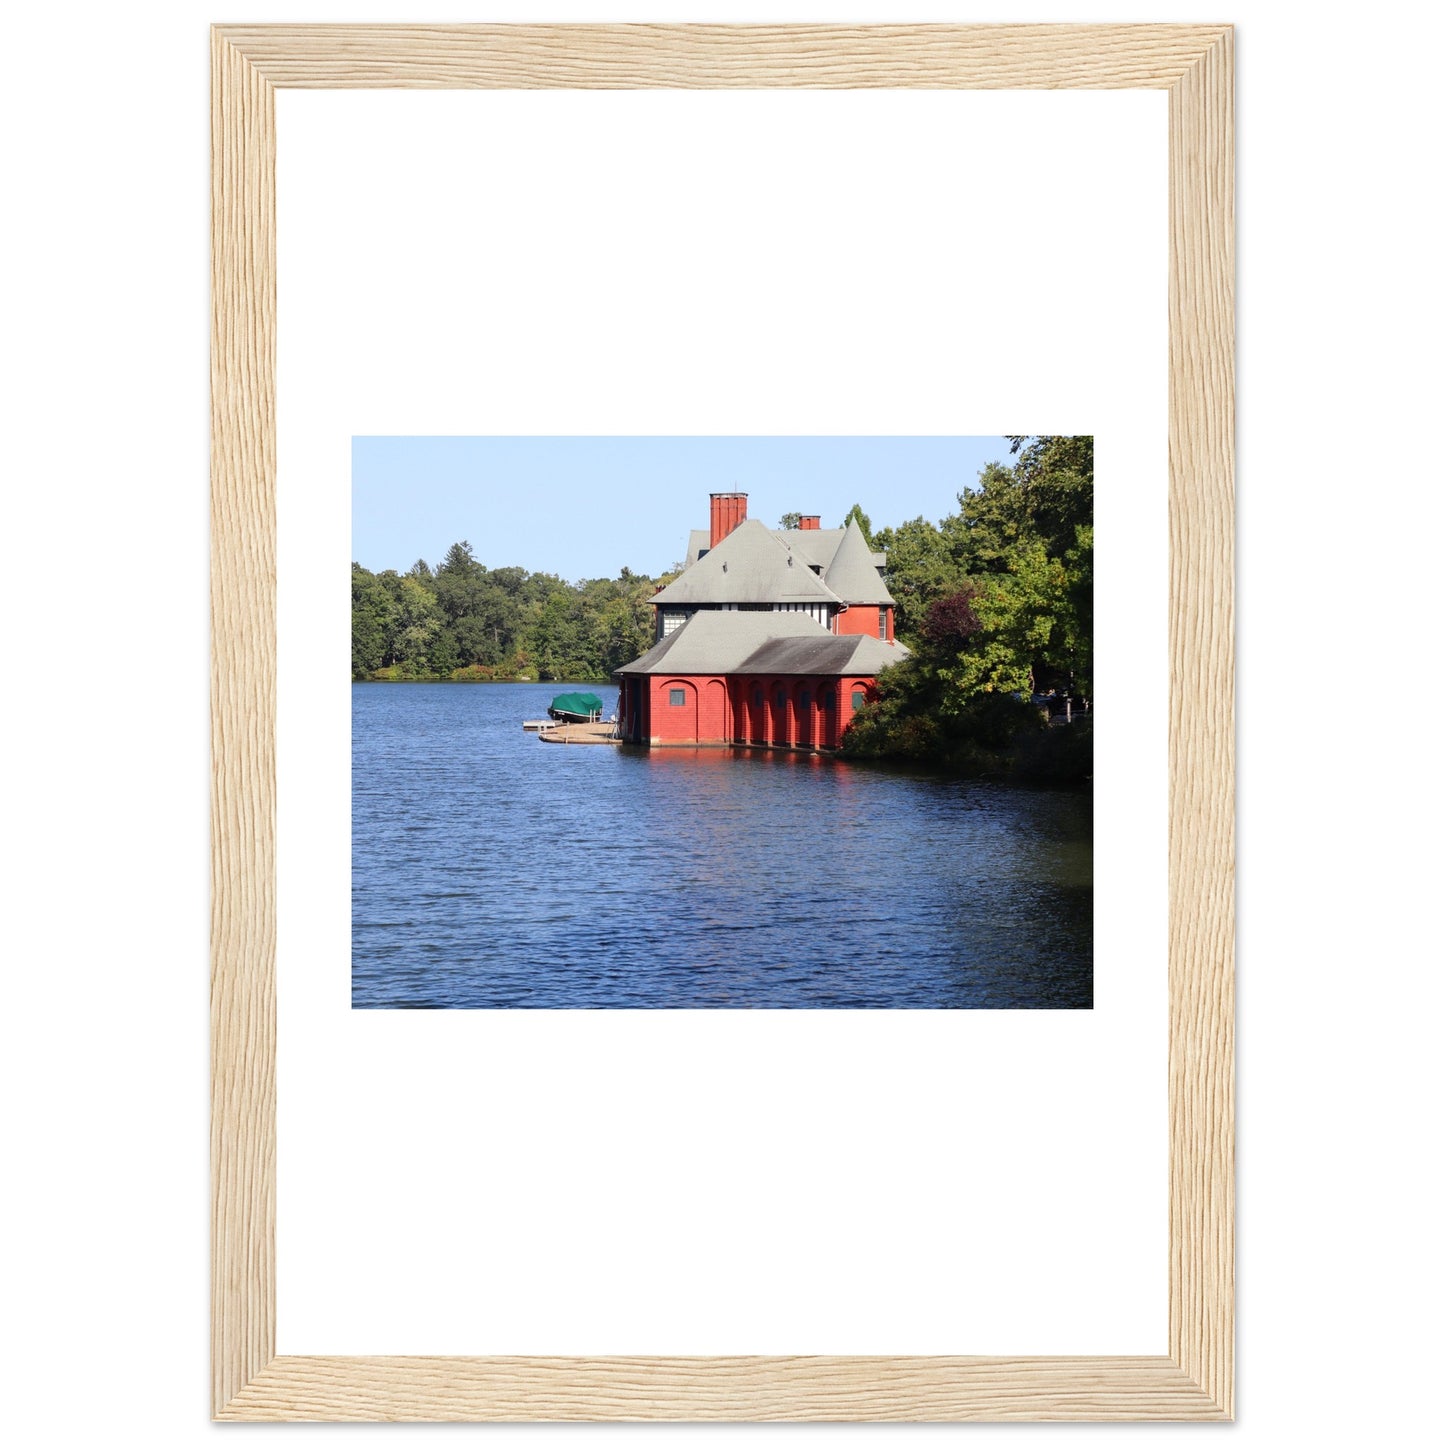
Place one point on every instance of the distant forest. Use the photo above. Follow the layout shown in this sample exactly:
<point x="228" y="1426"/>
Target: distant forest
<point x="996" y="602"/>
<point x="464" y="622"/>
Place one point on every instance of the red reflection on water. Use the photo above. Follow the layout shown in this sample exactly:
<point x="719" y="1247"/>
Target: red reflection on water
<point x="735" y="756"/>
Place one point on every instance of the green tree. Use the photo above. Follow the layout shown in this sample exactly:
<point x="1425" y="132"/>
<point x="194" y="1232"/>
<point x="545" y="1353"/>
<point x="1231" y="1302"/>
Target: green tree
<point x="373" y="620"/>
<point x="443" y="656"/>
<point x="1017" y="611"/>
<point x="459" y="561"/>
<point x="921" y="568"/>
<point x="619" y="620"/>
<point x="418" y="624"/>
<point x="790" y="521"/>
<point x="1055" y="477"/>
<point x="857" y="514"/>
<point x="556" y="639"/>
<point x="461" y="584"/>
<point x="991" y="520"/>
<point x="995" y="602"/>
<point x="478" y="642"/>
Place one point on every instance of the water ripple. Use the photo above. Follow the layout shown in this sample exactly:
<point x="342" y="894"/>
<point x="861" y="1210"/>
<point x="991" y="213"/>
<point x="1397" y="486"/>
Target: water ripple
<point x="490" y="870"/>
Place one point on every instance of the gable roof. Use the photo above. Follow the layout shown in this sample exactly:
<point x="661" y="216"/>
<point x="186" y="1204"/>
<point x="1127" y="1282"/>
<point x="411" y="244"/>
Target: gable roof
<point x="749" y="565"/>
<point x="852" y="573"/>
<point x="787" y="643"/>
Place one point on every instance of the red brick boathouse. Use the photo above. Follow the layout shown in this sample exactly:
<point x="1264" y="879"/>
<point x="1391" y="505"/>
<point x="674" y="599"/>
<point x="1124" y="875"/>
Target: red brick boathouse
<point x="770" y="638"/>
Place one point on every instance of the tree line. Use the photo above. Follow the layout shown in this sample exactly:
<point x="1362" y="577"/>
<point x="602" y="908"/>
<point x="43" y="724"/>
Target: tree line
<point x="464" y="622"/>
<point x="996" y="602"/>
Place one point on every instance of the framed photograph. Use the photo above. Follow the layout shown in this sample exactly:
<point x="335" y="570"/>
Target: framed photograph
<point x="672" y="967"/>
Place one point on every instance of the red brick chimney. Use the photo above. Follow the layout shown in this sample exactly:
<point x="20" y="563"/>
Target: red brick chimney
<point x="728" y="510"/>
<point x="809" y="524"/>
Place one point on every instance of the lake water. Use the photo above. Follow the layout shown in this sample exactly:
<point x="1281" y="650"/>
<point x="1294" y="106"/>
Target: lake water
<point x="492" y="870"/>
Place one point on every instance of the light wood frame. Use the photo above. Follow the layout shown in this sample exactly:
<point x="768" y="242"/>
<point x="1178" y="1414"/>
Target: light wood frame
<point x="1195" y="1380"/>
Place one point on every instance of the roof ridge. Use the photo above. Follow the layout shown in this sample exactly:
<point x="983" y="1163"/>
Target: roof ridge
<point x="759" y="576"/>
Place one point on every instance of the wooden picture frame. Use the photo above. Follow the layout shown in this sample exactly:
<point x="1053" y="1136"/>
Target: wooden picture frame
<point x="1195" y="1379"/>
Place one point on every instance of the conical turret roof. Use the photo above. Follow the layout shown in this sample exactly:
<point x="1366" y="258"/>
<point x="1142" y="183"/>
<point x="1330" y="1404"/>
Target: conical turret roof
<point x="853" y="574"/>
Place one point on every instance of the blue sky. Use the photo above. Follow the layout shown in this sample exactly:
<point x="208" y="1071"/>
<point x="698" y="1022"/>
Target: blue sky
<point x="589" y="506"/>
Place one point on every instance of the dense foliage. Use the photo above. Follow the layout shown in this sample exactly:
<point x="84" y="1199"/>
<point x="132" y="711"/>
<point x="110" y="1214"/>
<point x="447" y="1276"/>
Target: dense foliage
<point x="996" y="603"/>
<point x="467" y="623"/>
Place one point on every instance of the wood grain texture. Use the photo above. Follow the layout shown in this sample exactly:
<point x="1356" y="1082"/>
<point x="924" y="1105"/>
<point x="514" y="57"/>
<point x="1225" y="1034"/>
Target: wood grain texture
<point x="748" y="1387"/>
<point x="623" y="57"/>
<point x="1195" y="1382"/>
<point x="243" y="722"/>
<point x="1201" y="723"/>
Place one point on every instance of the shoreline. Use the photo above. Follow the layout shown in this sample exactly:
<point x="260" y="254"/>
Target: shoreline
<point x="492" y="681"/>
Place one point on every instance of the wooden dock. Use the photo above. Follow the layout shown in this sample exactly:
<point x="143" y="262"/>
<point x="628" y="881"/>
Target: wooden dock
<point x="588" y="732"/>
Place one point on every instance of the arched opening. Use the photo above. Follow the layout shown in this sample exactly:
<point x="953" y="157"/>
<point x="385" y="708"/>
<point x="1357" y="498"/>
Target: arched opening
<point x="805" y="715"/>
<point x="827" y="716"/>
<point x="781" y="734"/>
<point x="757" y="720"/>
<point x="630" y="710"/>
<point x="713" y="721"/>
<point x="674" y="712"/>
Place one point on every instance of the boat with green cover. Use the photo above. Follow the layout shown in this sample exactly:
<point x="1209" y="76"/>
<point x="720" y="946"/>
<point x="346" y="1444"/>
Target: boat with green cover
<point x="576" y="707"/>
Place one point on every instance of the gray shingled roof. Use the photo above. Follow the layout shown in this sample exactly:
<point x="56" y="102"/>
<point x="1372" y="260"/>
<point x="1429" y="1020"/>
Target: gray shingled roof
<point x="835" y="656"/>
<point x="814" y="546"/>
<point x="748" y="565"/>
<point x="852" y="574"/>
<point x="788" y="643"/>
<point x="698" y="541"/>
<point x="722" y="641"/>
